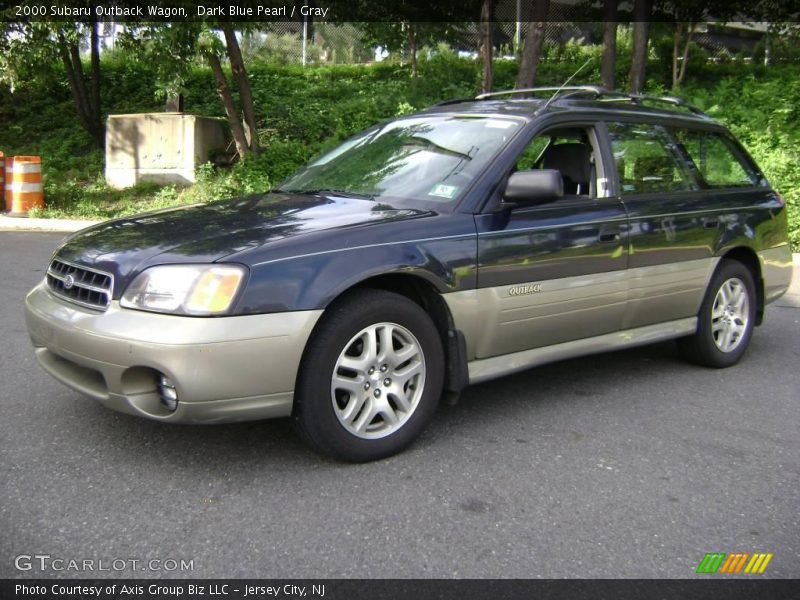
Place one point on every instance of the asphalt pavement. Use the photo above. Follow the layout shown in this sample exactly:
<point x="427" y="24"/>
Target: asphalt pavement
<point x="626" y="464"/>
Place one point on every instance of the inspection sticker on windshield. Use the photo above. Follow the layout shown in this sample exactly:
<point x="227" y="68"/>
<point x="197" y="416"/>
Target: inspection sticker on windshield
<point x="444" y="191"/>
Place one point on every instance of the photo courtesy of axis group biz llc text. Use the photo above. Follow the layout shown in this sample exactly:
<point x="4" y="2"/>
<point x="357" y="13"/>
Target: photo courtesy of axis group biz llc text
<point x="399" y="300"/>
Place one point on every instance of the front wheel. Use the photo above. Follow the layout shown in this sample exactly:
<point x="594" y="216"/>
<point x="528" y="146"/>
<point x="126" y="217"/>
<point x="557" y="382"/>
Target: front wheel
<point x="726" y="318"/>
<point x="371" y="377"/>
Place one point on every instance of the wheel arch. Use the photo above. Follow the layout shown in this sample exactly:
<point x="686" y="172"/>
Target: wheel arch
<point x="424" y="293"/>
<point x="748" y="257"/>
<point x="417" y="289"/>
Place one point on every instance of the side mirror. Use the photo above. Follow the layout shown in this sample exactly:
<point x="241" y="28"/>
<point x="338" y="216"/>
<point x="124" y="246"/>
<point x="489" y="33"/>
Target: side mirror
<point x="526" y="188"/>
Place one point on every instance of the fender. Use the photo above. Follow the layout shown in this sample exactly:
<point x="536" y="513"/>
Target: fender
<point x="760" y="226"/>
<point x="312" y="281"/>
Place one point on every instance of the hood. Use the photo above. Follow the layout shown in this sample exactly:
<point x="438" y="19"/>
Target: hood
<point x="210" y="232"/>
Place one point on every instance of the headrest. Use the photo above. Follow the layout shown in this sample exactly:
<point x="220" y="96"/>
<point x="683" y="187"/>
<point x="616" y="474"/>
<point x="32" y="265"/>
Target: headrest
<point x="573" y="160"/>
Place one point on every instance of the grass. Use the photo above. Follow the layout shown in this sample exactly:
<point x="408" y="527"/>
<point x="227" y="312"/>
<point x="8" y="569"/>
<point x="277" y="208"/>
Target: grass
<point x="96" y="200"/>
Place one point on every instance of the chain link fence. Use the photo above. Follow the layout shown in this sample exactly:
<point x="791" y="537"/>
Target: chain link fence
<point x="347" y="43"/>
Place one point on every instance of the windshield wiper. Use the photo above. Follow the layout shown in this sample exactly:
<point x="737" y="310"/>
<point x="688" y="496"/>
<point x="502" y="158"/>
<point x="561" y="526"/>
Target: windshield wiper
<point x="440" y="149"/>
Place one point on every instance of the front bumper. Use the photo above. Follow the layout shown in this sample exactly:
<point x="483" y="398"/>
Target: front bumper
<point x="235" y="368"/>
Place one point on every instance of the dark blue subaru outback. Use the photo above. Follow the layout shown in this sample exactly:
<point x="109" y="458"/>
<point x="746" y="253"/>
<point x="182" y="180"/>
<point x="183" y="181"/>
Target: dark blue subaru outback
<point x="471" y="240"/>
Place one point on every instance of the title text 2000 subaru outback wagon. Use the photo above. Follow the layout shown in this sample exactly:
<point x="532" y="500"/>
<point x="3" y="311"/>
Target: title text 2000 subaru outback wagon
<point x="471" y="240"/>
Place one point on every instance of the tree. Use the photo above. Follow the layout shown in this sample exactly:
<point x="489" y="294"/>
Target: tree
<point x="412" y="47"/>
<point x="31" y="48"/>
<point x="485" y="48"/>
<point x="686" y="14"/>
<point x="642" y="10"/>
<point x="169" y="48"/>
<point x="396" y="34"/>
<point x="608" y="64"/>
<point x="683" y="37"/>
<point x="209" y="49"/>
<point x="242" y="82"/>
<point x="532" y="46"/>
<point x="174" y="49"/>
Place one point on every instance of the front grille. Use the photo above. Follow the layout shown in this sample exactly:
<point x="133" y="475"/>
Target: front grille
<point x="81" y="285"/>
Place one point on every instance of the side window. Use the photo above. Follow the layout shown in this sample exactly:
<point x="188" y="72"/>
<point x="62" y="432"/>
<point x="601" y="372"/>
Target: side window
<point x="648" y="160"/>
<point x="568" y="150"/>
<point x="527" y="160"/>
<point x="715" y="158"/>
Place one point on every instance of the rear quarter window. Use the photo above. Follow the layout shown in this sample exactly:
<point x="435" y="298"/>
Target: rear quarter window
<point x="717" y="160"/>
<point x="648" y="160"/>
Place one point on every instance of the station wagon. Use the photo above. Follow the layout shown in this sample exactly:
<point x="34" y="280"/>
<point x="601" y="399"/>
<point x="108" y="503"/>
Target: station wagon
<point x="472" y="240"/>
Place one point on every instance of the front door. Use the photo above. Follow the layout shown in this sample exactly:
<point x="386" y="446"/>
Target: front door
<point x="555" y="272"/>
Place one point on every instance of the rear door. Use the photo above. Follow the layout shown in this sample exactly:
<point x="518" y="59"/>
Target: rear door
<point x="555" y="272"/>
<point x="672" y="232"/>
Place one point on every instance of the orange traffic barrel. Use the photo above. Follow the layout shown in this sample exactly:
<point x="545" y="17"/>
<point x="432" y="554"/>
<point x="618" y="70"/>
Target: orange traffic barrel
<point x="2" y="178"/>
<point x="24" y="189"/>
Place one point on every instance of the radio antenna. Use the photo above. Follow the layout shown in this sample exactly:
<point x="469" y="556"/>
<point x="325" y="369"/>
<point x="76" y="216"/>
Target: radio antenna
<point x="563" y="85"/>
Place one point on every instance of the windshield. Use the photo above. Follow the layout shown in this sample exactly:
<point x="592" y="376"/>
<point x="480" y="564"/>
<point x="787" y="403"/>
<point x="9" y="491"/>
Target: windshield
<point x="425" y="160"/>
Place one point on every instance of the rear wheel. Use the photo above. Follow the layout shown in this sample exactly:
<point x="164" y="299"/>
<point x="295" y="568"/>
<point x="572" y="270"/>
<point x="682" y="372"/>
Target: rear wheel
<point x="726" y="318"/>
<point x="371" y="377"/>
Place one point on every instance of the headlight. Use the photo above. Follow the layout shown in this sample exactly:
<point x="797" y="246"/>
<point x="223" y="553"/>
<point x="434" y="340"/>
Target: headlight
<point x="185" y="289"/>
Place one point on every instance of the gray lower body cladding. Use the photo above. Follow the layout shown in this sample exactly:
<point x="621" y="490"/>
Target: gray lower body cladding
<point x="513" y="327"/>
<point x="224" y="369"/>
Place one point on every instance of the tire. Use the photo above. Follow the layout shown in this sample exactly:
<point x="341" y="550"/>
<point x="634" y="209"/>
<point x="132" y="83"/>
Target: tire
<point x="357" y="401"/>
<point x="728" y="309"/>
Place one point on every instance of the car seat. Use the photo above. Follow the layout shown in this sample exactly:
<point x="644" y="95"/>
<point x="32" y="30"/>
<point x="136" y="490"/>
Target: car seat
<point x="574" y="162"/>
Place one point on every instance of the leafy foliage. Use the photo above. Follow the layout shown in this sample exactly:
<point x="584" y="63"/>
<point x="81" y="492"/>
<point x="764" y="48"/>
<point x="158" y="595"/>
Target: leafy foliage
<point x="761" y="109"/>
<point x="303" y="112"/>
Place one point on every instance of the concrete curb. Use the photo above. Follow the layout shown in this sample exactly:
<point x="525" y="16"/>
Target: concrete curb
<point x="43" y="225"/>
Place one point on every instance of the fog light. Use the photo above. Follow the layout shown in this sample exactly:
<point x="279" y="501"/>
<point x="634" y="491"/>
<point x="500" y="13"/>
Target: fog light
<point x="167" y="393"/>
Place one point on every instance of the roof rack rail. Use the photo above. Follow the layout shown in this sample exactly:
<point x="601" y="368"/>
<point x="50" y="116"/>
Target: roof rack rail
<point x="601" y="94"/>
<point x="639" y="98"/>
<point x="594" y="89"/>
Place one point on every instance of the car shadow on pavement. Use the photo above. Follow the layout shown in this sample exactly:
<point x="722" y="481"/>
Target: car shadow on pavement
<point x="586" y="376"/>
<point x="272" y="444"/>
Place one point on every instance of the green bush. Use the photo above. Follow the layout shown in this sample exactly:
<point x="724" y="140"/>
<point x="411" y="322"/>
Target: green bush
<point x="760" y="108"/>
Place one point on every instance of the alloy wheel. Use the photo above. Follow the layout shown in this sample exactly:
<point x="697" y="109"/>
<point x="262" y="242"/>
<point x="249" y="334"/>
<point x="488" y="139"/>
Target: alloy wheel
<point x="378" y="380"/>
<point x="730" y="315"/>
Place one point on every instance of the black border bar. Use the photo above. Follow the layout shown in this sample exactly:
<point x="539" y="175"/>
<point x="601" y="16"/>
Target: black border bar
<point x="785" y="11"/>
<point x="401" y="589"/>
